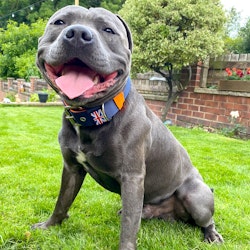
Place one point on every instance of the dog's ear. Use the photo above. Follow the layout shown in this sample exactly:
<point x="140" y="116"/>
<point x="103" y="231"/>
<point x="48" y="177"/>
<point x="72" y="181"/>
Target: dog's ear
<point x="129" y="35"/>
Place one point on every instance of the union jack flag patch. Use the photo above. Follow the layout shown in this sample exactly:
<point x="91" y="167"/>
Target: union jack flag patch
<point x="99" y="117"/>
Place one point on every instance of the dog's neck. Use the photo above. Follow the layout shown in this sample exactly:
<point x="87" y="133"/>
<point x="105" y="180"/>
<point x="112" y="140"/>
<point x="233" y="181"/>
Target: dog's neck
<point x="98" y="115"/>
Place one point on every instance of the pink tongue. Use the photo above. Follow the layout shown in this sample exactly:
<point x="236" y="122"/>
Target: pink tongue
<point x="75" y="80"/>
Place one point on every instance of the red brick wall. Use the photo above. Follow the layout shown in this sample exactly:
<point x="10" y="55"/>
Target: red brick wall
<point x="156" y="106"/>
<point x="1" y="95"/>
<point x="205" y="109"/>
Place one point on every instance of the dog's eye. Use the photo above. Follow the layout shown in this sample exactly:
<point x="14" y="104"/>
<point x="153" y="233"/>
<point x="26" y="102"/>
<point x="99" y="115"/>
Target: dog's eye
<point x="59" y="22"/>
<point x="109" y="30"/>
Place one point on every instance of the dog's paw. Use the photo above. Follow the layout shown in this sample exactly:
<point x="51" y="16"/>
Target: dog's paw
<point x="211" y="235"/>
<point x="52" y="221"/>
<point x="40" y="225"/>
<point x="127" y="246"/>
<point x="147" y="212"/>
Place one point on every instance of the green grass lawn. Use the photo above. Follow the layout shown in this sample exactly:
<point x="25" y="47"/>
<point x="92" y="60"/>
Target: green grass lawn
<point x="30" y="172"/>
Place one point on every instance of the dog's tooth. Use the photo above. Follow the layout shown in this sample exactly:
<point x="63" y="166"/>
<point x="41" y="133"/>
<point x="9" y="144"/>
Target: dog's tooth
<point x="96" y="79"/>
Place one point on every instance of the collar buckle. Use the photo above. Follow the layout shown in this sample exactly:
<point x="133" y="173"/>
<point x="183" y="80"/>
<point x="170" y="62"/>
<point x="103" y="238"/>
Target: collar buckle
<point x="69" y="116"/>
<point x="104" y="113"/>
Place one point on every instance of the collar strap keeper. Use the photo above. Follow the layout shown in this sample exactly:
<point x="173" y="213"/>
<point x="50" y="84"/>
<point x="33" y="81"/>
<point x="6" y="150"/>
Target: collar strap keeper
<point x="100" y="114"/>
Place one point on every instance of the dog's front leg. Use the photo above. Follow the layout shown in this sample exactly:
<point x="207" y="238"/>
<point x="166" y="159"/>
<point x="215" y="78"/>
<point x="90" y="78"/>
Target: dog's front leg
<point x="132" y="193"/>
<point x="72" y="179"/>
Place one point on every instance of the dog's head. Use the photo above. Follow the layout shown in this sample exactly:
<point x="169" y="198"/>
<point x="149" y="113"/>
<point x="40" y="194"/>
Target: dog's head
<point x="85" y="54"/>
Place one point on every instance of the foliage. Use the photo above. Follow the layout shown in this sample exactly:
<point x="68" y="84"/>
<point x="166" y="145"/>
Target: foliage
<point x="52" y="96"/>
<point x="244" y="33"/>
<point x="235" y="129"/>
<point x="233" y="45"/>
<point x="18" y="45"/>
<point x="232" y="25"/>
<point x="232" y="40"/>
<point x="180" y="32"/>
<point x="237" y="37"/>
<point x="34" y="97"/>
<point x="30" y="170"/>
<point x="18" y="39"/>
<point x="25" y="65"/>
<point x="11" y="96"/>
<point x="43" y="11"/>
<point x="29" y="11"/>
<point x="112" y="5"/>
<point x="238" y="74"/>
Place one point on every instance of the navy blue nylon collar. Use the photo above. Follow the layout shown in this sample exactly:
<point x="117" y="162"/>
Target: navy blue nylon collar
<point x="98" y="115"/>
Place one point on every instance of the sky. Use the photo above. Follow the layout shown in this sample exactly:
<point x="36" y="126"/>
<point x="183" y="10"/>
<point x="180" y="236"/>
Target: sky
<point x="242" y="6"/>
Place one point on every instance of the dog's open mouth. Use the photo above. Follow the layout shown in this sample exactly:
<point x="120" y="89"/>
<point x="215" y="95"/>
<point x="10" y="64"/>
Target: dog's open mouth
<point x="75" y="79"/>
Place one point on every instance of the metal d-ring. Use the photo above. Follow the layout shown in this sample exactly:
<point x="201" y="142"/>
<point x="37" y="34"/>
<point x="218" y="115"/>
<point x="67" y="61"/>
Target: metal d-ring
<point x="104" y="114"/>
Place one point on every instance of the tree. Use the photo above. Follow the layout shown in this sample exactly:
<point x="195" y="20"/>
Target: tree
<point x="237" y="37"/>
<point x="18" y="45"/>
<point x="244" y="33"/>
<point x="17" y="10"/>
<point x="173" y="32"/>
<point x="29" y="11"/>
<point x="232" y="40"/>
<point x="112" y="5"/>
<point x="180" y="32"/>
<point x="233" y="22"/>
<point x="18" y="39"/>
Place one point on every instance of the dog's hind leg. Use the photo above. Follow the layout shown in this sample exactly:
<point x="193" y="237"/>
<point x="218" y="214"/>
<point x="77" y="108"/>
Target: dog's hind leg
<point x="197" y="198"/>
<point x="72" y="179"/>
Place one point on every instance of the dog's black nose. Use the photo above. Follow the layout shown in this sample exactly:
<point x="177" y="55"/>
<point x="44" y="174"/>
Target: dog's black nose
<point x="78" y="34"/>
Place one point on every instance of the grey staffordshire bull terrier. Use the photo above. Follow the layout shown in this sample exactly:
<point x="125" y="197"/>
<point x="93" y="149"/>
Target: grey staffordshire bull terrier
<point x="110" y="133"/>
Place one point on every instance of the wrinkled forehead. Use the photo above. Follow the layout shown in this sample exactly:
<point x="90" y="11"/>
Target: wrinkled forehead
<point x="79" y="15"/>
<point x="70" y="12"/>
<point x="93" y="17"/>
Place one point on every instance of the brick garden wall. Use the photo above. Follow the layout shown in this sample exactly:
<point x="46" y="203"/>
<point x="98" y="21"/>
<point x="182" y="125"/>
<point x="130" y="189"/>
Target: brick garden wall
<point x="21" y="89"/>
<point x="210" y="108"/>
<point x="196" y="105"/>
<point x="201" y="106"/>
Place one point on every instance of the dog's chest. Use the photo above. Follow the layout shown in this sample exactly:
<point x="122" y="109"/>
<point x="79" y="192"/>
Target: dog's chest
<point x="81" y="159"/>
<point x="96" y="153"/>
<point x="102" y="172"/>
